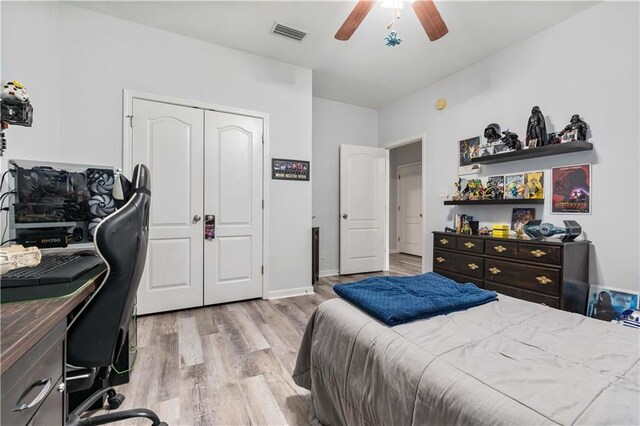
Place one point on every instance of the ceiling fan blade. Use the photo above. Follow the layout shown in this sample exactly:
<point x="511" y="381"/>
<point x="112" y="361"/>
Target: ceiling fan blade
<point x="430" y="19"/>
<point x="354" y="19"/>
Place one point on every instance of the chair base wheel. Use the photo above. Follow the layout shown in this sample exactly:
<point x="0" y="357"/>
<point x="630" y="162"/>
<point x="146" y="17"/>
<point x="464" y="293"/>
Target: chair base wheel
<point x="115" y="401"/>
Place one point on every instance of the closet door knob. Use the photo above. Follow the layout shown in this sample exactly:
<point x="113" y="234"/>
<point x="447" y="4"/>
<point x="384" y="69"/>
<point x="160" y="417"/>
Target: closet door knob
<point x="196" y="218"/>
<point x="344" y="216"/>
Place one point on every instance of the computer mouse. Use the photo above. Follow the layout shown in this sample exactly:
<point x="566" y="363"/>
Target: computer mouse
<point x="86" y="253"/>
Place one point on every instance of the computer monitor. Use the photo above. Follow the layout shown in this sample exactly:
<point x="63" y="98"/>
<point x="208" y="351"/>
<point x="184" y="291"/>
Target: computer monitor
<point x="57" y="204"/>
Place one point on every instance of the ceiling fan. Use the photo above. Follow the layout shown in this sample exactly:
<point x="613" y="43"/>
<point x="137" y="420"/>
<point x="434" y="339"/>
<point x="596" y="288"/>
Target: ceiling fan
<point x="425" y="10"/>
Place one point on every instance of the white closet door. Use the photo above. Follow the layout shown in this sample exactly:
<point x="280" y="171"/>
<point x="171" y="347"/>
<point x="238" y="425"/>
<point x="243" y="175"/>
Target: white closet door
<point x="410" y="209"/>
<point x="233" y="194"/>
<point x="169" y="140"/>
<point x="362" y="208"/>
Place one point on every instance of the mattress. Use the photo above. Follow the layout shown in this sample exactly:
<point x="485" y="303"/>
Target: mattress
<point x="506" y="362"/>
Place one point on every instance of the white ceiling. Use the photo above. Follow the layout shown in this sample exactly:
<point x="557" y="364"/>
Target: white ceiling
<point x="362" y="71"/>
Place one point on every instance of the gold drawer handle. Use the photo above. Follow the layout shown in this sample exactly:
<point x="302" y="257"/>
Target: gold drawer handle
<point x="440" y="259"/>
<point x="543" y="280"/>
<point x="538" y="253"/>
<point x="473" y="266"/>
<point x="444" y="241"/>
<point x="494" y="271"/>
<point x="469" y="245"/>
<point x="500" y="249"/>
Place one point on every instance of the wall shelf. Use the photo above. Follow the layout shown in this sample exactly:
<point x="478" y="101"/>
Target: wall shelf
<point x="543" y="151"/>
<point x="492" y="202"/>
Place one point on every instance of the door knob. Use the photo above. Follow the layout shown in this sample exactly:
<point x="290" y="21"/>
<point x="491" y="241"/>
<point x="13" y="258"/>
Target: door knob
<point x="196" y="218"/>
<point x="344" y="216"/>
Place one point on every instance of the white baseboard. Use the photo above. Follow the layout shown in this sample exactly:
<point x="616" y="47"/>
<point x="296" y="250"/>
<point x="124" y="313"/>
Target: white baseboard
<point x="329" y="273"/>
<point x="292" y="292"/>
<point x="393" y="251"/>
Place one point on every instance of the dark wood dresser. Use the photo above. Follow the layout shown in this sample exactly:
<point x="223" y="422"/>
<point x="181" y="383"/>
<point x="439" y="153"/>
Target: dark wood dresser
<point x="545" y="271"/>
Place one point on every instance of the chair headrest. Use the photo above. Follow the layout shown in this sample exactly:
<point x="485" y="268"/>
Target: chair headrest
<point x="141" y="179"/>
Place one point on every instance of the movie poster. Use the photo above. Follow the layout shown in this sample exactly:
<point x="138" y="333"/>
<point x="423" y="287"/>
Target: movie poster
<point x="571" y="186"/>
<point x="468" y="149"/>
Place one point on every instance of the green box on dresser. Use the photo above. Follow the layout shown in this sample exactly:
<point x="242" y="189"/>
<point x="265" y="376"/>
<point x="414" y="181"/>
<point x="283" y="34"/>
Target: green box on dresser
<point x="546" y="271"/>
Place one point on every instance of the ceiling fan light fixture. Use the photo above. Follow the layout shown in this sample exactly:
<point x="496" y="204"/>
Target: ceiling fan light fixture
<point x="392" y="4"/>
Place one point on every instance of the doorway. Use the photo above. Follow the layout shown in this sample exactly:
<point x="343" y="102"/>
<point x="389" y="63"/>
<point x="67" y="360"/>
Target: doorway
<point x="405" y="199"/>
<point x="207" y="175"/>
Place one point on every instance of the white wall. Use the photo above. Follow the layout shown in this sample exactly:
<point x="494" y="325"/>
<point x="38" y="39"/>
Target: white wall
<point x="405" y="154"/>
<point x="76" y="63"/>
<point x="587" y="65"/>
<point x="334" y="124"/>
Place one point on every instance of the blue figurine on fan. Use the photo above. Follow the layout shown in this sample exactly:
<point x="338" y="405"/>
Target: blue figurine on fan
<point x="392" y="39"/>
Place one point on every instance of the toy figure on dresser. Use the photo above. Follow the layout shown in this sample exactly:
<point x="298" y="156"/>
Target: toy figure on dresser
<point x="536" y="129"/>
<point x="537" y="229"/>
<point x="466" y="227"/>
<point x="484" y="231"/>
<point x="511" y="140"/>
<point x="576" y="130"/>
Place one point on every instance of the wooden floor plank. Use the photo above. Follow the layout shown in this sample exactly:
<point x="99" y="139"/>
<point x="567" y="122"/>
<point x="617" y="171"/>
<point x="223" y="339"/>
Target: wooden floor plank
<point x="231" y="364"/>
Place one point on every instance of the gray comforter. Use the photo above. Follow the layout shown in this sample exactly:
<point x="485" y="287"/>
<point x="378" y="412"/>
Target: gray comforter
<point x="507" y="362"/>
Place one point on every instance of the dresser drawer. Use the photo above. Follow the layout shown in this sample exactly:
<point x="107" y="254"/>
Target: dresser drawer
<point x="501" y="249"/>
<point x="459" y="263"/>
<point x="518" y="293"/>
<point x="539" y="253"/>
<point x="446" y="241"/>
<point x="461" y="279"/>
<point x="472" y="245"/>
<point x="32" y="380"/>
<point x="534" y="278"/>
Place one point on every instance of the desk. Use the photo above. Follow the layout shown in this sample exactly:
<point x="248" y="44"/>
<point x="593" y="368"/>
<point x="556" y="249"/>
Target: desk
<point x="32" y="359"/>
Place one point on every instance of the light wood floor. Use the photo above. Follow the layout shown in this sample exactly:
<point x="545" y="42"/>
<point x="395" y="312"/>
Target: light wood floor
<point x="231" y="364"/>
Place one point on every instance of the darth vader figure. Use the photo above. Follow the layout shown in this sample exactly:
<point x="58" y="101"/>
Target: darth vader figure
<point x="536" y="128"/>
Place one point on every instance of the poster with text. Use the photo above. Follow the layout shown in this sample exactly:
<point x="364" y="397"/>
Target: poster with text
<point x="571" y="186"/>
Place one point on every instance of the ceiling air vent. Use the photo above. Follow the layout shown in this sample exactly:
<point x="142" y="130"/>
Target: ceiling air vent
<point x="283" y="30"/>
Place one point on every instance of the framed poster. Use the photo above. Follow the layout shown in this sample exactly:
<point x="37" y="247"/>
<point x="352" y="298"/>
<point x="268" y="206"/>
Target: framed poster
<point x="282" y="169"/>
<point x="468" y="149"/>
<point x="607" y="303"/>
<point x="571" y="189"/>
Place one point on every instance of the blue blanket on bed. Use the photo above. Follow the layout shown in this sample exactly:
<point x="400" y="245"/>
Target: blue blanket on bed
<point x="397" y="300"/>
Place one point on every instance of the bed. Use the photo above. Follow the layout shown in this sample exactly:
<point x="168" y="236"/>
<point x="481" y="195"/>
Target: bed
<point x="506" y="362"/>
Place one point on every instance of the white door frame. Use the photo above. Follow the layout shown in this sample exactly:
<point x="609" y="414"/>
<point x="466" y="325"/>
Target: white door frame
<point x="414" y="163"/>
<point x="420" y="137"/>
<point x="127" y="152"/>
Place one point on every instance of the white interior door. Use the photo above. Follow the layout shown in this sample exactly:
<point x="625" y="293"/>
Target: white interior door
<point x="362" y="208"/>
<point x="169" y="140"/>
<point x="410" y="209"/>
<point x="233" y="194"/>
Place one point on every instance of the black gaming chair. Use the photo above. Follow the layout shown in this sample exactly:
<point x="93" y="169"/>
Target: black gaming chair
<point x="97" y="334"/>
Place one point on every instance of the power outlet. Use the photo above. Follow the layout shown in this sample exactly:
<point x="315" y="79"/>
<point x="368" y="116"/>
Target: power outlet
<point x="323" y="255"/>
<point x="444" y="193"/>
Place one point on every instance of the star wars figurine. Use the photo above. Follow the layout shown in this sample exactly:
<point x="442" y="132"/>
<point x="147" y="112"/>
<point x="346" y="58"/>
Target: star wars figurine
<point x="536" y="128"/>
<point x="492" y="133"/>
<point x="576" y="130"/>
<point x="511" y="140"/>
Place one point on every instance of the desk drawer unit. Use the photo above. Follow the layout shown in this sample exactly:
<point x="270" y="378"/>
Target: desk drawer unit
<point x="533" y="278"/>
<point x="539" y="253"/>
<point x="460" y="263"/>
<point x="34" y="383"/>
<point x="547" y="271"/>
<point x="502" y="249"/>
<point x="518" y="293"/>
<point x="445" y="241"/>
<point x="471" y="245"/>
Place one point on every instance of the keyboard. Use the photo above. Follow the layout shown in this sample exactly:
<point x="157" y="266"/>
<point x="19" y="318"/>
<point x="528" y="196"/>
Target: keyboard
<point x="53" y="269"/>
